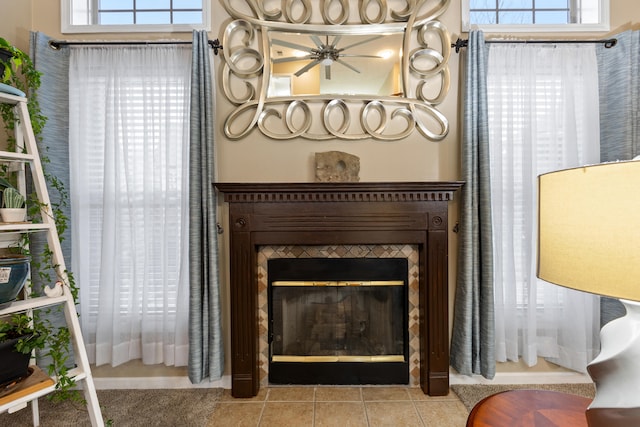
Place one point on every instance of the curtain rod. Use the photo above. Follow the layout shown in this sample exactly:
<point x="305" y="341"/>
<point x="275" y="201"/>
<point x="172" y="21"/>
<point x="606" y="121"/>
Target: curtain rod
<point x="57" y="44"/>
<point x="608" y="43"/>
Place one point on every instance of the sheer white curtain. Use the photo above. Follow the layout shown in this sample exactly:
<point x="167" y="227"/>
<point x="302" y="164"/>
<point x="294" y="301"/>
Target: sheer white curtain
<point x="129" y="195"/>
<point x="543" y="116"/>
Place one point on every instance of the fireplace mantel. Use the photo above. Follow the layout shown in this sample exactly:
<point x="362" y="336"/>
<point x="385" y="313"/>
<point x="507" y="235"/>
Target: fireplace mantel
<point x="348" y="214"/>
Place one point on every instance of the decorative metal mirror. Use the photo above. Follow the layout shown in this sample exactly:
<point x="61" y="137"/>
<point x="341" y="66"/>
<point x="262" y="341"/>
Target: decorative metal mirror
<point x="303" y="68"/>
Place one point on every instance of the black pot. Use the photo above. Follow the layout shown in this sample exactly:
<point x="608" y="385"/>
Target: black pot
<point x="5" y="55"/>
<point x="14" y="365"/>
<point x="5" y="60"/>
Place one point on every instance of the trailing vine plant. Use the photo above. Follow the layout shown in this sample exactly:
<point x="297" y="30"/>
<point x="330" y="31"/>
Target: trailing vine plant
<point x="18" y="70"/>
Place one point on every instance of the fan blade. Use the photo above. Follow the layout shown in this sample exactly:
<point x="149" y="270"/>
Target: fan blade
<point x="342" y="55"/>
<point x="292" y="59"/>
<point x="360" y="42"/>
<point x="327" y="72"/>
<point x="306" y="68"/>
<point x="335" y="41"/>
<point x="316" y="40"/>
<point x="348" y="65"/>
<point x="289" y="44"/>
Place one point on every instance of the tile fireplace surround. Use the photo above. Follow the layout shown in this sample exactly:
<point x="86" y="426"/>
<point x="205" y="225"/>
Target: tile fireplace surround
<point x="407" y="252"/>
<point x="319" y="214"/>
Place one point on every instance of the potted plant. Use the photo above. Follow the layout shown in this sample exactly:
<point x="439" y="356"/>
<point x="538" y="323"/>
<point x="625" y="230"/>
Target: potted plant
<point x="13" y="206"/>
<point x="18" y="340"/>
<point x="18" y="69"/>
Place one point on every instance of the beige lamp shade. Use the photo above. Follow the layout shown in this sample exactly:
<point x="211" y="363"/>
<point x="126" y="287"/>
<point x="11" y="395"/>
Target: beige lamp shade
<point x="589" y="229"/>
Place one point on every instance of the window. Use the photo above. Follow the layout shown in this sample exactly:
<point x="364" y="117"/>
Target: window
<point x="90" y="16"/>
<point x="535" y="15"/>
<point x="543" y="115"/>
<point x="128" y="151"/>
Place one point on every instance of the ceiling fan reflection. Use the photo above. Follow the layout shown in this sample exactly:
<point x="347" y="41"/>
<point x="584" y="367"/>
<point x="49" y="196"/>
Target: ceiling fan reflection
<point x="324" y="54"/>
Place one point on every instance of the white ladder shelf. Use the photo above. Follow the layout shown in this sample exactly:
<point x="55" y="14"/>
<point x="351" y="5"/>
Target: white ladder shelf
<point x="26" y="143"/>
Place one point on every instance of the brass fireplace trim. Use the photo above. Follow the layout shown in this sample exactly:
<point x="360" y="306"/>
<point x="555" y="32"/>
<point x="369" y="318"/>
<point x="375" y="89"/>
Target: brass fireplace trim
<point x="342" y="283"/>
<point x="333" y="359"/>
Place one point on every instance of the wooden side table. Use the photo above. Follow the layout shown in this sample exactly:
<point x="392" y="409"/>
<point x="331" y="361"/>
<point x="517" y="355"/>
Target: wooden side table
<point x="529" y="408"/>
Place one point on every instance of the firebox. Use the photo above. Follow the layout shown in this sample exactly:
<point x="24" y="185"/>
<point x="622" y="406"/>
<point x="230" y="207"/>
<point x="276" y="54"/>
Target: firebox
<point x="338" y="321"/>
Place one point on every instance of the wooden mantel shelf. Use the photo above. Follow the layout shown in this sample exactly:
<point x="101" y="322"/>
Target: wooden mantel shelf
<point x="413" y="213"/>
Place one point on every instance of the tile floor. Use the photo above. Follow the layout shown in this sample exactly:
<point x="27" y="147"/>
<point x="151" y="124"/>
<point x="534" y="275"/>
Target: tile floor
<point x="341" y="407"/>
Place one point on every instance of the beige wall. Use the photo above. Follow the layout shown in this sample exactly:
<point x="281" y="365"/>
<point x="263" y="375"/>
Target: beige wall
<point x="259" y="159"/>
<point x="15" y="22"/>
<point x="307" y="83"/>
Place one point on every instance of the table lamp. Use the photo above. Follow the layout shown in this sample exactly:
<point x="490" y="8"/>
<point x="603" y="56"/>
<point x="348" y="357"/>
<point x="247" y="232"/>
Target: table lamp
<point x="589" y="240"/>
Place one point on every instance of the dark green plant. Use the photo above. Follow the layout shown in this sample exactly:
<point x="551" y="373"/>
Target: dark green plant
<point x="20" y="72"/>
<point x="20" y="326"/>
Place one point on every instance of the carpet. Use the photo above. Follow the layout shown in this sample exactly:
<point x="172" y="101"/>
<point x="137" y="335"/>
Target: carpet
<point x="470" y="394"/>
<point x="176" y="407"/>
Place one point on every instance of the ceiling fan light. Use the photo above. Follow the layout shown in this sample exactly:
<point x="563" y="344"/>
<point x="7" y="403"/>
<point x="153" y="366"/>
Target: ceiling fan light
<point x="327" y="61"/>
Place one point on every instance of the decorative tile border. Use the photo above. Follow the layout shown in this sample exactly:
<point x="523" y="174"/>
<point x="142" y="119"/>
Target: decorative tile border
<point x="410" y="252"/>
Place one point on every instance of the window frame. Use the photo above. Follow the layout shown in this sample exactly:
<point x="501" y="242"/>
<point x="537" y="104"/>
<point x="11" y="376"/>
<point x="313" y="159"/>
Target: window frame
<point x="603" y="25"/>
<point x="67" y="26"/>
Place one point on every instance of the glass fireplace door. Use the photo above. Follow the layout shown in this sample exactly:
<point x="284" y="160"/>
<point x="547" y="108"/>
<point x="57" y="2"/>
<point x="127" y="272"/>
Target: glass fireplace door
<point x="338" y="318"/>
<point x="338" y="321"/>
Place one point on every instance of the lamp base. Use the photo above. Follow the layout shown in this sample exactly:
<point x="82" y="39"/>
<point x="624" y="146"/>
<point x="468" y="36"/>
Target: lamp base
<point x="616" y="372"/>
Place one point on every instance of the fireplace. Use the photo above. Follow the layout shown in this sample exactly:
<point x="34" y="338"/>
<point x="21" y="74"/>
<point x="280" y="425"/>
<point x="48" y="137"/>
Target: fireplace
<point x="281" y="214"/>
<point x="338" y="321"/>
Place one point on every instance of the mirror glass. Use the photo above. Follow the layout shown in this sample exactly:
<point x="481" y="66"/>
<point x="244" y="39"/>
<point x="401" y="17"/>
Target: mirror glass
<point x="347" y="64"/>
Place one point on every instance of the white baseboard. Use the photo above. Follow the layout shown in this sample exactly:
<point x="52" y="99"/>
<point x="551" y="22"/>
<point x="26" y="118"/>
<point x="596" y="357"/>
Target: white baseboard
<point x="121" y="383"/>
<point x="523" y="378"/>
